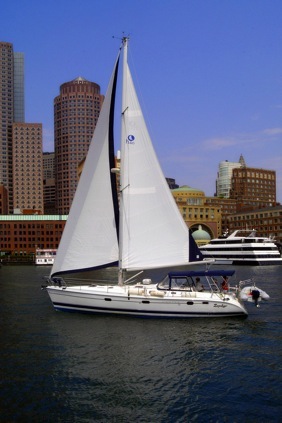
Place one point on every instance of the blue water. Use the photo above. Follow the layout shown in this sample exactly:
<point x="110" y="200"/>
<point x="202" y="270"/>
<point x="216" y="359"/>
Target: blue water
<point x="67" y="367"/>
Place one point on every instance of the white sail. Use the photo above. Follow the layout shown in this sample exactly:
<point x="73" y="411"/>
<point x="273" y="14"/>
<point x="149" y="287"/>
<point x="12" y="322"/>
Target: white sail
<point x="90" y="236"/>
<point x="153" y="232"/>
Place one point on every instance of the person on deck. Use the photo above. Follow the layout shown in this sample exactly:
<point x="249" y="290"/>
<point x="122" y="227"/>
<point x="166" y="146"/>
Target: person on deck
<point x="199" y="285"/>
<point x="224" y="284"/>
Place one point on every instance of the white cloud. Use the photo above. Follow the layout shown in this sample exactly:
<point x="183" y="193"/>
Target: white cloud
<point x="219" y="143"/>
<point x="263" y="136"/>
<point x="273" y="131"/>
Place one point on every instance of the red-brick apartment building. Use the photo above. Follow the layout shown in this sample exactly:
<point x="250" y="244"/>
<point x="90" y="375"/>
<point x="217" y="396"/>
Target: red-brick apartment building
<point x="22" y="234"/>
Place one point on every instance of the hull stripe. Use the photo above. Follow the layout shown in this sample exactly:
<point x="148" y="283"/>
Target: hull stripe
<point x="90" y="309"/>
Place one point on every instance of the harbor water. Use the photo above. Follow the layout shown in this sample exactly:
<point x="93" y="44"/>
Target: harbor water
<point x="71" y="367"/>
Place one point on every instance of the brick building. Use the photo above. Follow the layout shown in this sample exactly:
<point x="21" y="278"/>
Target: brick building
<point x="23" y="234"/>
<point x="27" y="166"/>
<point x="266" y="221"/>
<point x="253" y="187"/>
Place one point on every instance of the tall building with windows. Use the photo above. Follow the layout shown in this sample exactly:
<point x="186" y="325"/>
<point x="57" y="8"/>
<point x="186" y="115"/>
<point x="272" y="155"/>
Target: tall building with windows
<point x="253" y="188"/>
<point x="6" y="116"/>
<point x="76" y="111"/>
<point x="19" y="110"/>
<point x="48" y="165"/>
<point x="11" y="110"/>
<point x="27" y="167"/>
<point x="224" y="175"/>
<point x="49" y="183"/>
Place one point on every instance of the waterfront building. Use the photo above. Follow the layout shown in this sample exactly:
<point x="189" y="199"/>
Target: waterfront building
<point x="227" y="206"/>
<point x="197" y="213"/>
<point x="76" y="111"/>
<point x="23" y="234"/>
<point x="253" y="188"/>
<point x="27" y="167"/>
<point x="266" y="221"/>
<point x="242" y="188"/>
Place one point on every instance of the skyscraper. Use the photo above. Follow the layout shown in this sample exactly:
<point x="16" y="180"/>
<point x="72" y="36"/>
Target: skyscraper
<point x="19" y="111"/>
<point x="6" y="116"/>
<point x="27" y="167"/>
<point x="11" y="110"/>
<point x="76" y="111"/>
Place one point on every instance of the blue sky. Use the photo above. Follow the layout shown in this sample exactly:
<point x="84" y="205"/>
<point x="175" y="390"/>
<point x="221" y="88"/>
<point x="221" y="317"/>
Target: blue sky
<point x="209" y="73"/>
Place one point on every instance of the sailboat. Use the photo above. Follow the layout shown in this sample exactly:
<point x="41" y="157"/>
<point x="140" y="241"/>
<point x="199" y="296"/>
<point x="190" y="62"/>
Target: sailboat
<point x="136" y="227"/>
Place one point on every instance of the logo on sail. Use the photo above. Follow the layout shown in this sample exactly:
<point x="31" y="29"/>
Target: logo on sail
<point x="130" y="139"/>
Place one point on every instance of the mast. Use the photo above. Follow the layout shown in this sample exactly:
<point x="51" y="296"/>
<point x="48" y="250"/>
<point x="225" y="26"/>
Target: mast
<point x="123" y="108"/>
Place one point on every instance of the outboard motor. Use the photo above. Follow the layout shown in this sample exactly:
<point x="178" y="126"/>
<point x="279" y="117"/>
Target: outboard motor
<point x="255" y="296"/>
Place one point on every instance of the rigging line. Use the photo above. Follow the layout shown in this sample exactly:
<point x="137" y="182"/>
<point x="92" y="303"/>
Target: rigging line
<point x="128" y="185"/>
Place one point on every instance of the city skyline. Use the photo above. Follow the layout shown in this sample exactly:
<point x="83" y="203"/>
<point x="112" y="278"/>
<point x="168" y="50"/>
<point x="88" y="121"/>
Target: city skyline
<point x="210" y="74"/>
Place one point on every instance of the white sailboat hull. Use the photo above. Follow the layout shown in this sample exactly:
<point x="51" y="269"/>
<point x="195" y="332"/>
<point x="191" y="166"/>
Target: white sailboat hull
<point x="144" y="302"/>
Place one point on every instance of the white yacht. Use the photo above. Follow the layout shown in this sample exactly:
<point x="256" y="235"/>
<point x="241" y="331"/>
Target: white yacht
<point x="45" y="256"/>
<point x="242" y="247"/>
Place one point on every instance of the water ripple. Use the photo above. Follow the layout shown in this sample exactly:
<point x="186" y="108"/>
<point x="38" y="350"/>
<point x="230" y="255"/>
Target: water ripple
<point x="59" y="367"/>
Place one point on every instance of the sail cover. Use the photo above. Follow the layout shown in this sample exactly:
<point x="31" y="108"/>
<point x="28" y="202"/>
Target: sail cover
<point x="154" y="233"/>
<point x="90" y="239"/>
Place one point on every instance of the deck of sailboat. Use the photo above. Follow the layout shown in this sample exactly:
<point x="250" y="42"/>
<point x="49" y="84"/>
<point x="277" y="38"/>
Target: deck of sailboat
<point x="140" y="290"/>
